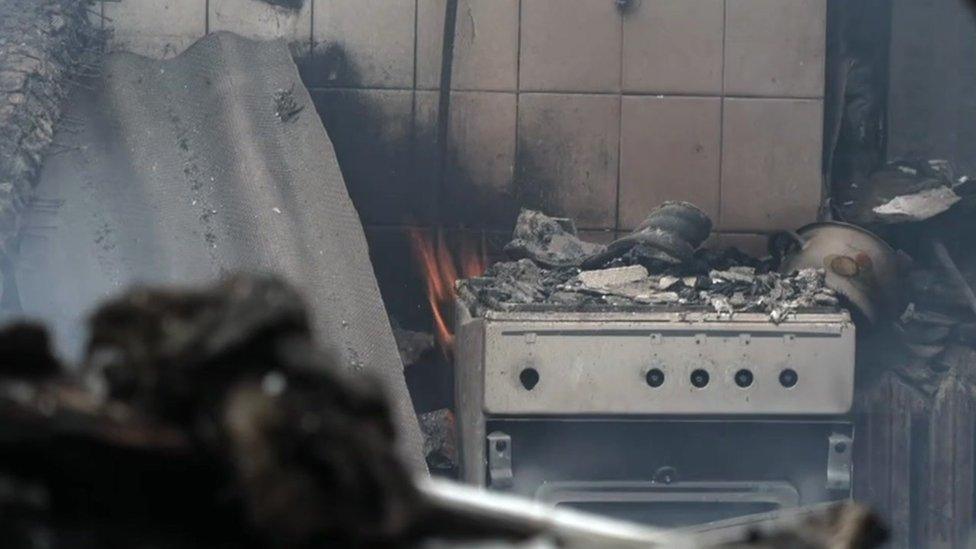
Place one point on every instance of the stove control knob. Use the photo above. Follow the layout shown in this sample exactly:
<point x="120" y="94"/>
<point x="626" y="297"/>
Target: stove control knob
<point x="743" y="378"/>
<point x="655" y="377"/>
<point x="788" y="378"/>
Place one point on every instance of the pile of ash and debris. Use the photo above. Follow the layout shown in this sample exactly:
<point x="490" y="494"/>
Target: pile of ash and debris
<point x="209" y="418"/>
<point x="46" y="46"/>
<point x="661" y="264"/>
<point x="925" y="209"/>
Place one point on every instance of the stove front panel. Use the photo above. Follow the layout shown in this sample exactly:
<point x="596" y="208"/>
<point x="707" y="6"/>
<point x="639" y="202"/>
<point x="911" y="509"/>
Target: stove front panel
<point x="616" y="367"/>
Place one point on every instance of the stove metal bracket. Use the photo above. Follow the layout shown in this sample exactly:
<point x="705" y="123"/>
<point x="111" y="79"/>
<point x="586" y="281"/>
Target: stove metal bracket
<point x="499" y="460"/>
<point x="839" y="462"/>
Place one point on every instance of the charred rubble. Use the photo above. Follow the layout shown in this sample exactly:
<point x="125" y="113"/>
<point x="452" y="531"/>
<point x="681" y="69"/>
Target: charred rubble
<point x="661" y="264"/>
<point x="924" y="209"/>
<point x="930" y="208"/>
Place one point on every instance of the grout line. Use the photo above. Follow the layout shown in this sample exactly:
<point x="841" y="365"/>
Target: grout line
<point x="357" y="88"/>
<point x="489" y="89"/>
<point x="457" y="227"/>
<point x="416" y="39"/>
<point x="518" y="92"/>
<point x="583" y="93"/>
<point x="415" y="175"/>
<point x="620" y="125"/>
<point x="721" y="120"/>
<point x="672" y="94"/>
<point x="206" y="17"/>
<point x="448" y="42"/>
<point x="311" y="28"/>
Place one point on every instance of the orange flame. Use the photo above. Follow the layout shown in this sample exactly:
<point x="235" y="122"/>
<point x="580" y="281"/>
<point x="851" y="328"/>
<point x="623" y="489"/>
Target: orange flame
<point x="440" y="271"/>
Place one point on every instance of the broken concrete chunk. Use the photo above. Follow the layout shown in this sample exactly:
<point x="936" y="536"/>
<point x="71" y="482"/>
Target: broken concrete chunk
<point x="741" y="275"/>
<point x="743" y="270"/>
<point x="918" y="206"/>
<point x="549" y="241"/>
<point x="606" y="278"/>
<point x="905" y="191"/>
<point x="659" y="298"/>
<point x="668" y="281"/>
<point x="721" y="305"/>
<point x="642" y="291"/>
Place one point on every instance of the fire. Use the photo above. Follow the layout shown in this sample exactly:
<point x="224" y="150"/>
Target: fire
<point x="440" y="271"/>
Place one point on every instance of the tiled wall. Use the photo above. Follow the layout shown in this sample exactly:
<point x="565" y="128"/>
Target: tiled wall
<point x="584" y="108"/>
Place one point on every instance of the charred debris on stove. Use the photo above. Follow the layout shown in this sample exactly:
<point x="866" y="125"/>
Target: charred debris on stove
<point x="660" y="264"/>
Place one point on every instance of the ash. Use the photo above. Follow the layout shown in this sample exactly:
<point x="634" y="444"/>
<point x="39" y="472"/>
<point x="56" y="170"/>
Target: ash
<point x="660" y="265"/>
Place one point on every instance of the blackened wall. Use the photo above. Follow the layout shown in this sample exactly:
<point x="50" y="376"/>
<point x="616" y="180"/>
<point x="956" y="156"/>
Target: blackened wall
<point x="932" y="94"/>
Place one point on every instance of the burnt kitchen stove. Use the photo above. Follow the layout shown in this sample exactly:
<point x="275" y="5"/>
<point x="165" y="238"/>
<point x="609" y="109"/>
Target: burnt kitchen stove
<point x="664" y="415"/>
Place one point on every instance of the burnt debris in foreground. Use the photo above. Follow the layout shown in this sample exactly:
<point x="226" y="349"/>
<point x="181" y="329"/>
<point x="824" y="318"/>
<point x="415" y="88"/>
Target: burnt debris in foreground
<point x="198" y="418"/>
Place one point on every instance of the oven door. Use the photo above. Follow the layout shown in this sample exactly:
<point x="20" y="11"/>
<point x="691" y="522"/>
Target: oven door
<point x="673" y="505"/>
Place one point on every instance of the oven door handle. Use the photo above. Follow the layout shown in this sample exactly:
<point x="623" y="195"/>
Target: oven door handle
<point x="779" y="493"/>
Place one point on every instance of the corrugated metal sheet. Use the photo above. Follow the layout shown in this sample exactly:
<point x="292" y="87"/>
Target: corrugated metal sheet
<point x="183" y="170"/>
